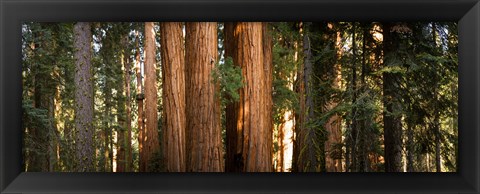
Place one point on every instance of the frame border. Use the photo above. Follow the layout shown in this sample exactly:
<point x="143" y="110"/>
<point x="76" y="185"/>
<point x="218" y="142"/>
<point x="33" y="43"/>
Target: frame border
<point x="13" y="13"/>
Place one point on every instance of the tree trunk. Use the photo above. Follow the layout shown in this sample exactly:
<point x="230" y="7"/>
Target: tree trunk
<point x="173" y="72"/>
<point x="333" y="161"/>
<point x="203" y="134"/>
<point x="268" y="71"/>
<point x="299" y="88"/>
<point x="307" y="158"/>
<point x="391" y="121"/>
<point x="251" y="150"/>
<point x="140" y="97"/>
<point x="124" y="110"/>
<point x="150" y="142"/>
<point x="83" y="98"/>
<point x="128" y="135"/>
<point x="436" y="119"/>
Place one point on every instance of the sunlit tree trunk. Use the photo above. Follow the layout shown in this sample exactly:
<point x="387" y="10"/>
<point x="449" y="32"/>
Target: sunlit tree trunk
<point x="150" y="142"/>
<point x="204" y="138"/>
<point x="268" y="98"/>
<point x="83" y="98"/>
<point x="173" y="71"/>
<point x="251" y="148"/>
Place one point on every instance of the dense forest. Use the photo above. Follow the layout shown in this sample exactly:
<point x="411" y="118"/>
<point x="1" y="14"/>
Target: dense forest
<point x="240" y="97"/>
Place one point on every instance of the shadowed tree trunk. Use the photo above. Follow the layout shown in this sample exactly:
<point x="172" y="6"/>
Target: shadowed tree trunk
<point x="333" y="161"/>
<point x="249" y="127"/>
<point x="391" y="120"/>
<point x="204" y="138"/>
<point x="299" y="87"/>
<point x="307" y="160"/>
<point x="173" y="71"/>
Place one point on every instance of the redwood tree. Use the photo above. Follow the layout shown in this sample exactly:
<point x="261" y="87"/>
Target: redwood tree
<point x="173" y="76"/>
<point x="248" y="134"/>
<point x="149" y="141"/>
<point x="204" y="138"/>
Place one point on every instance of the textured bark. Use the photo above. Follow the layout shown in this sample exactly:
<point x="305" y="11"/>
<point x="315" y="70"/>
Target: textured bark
<point x="150" y="142"/>
<point x="307" y="159"/>
<point x="203" y="134"/>
<point x="333" y="161"/>
<point x="140" y="97"/>
<point x="251" y="148"/>
<point x="83" y="98"/>
<point x="392" y="122"/>
<point x="268" y="98"/>
<point x="173" y="71"/>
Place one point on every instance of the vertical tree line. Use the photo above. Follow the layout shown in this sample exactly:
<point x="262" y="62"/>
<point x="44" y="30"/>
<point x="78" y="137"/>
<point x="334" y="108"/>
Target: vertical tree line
<point x="240" y="96"/>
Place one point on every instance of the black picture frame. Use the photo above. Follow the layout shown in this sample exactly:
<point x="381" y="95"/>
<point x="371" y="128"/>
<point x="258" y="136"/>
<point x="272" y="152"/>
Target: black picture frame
<point x="14" y="12"/>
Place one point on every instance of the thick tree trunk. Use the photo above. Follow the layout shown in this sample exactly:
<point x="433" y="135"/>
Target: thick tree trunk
<point x="173" y="71"/>
<point x="204" y="138"/>
<point x="252" y="151"/>
<point x="391" y="121"/>
<point x="150" y="142"/>
<point x="83" y="98"/>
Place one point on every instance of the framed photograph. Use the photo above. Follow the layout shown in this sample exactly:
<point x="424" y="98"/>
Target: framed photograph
<point x="256" y="96"/>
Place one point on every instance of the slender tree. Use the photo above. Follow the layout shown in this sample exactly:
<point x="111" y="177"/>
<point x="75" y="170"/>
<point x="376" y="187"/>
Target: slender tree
<point x="84" y="98"/>
<point x="150" y="142"/>
<point x="333" y="155"/>
<point x="140" y="98"/>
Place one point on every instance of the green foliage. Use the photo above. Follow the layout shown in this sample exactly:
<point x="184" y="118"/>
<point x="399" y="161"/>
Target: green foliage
<point x="156" y="163"/>
<point x="230" y="80"/>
